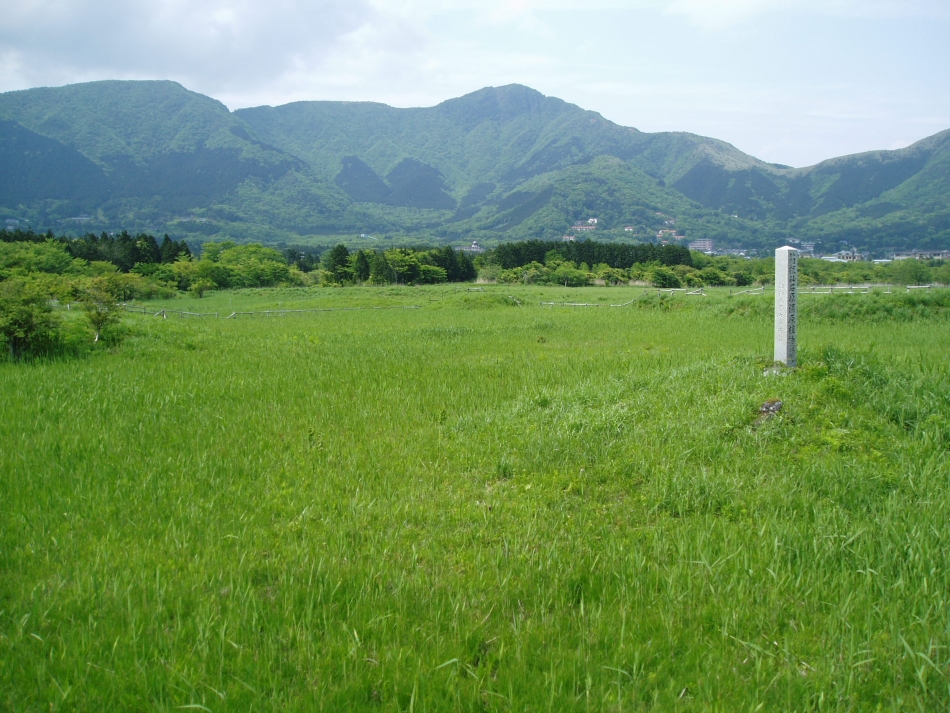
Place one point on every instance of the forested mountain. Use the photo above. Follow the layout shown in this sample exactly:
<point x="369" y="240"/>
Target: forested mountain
<point x="498" y="164"/>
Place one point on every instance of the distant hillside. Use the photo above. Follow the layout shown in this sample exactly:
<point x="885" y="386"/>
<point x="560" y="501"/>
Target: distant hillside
<point x="500" y="163"/>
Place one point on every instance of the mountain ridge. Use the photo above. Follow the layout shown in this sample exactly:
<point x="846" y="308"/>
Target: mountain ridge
<point x="498" y="163"/>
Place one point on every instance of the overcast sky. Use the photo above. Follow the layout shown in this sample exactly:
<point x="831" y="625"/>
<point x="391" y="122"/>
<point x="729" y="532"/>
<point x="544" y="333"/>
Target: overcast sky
<point x="789" y="81"/>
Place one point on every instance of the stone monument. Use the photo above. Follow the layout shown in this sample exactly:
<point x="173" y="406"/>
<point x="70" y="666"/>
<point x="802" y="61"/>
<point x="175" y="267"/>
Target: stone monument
<point x="786" y="306"/>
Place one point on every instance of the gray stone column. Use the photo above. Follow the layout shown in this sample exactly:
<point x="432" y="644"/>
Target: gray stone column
<point x="786" y="306"/>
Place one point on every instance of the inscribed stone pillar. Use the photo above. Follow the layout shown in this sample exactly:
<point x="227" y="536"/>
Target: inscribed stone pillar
<point x="786" y="306"/>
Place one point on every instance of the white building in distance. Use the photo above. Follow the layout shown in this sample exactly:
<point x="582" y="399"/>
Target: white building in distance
<point x="923" y="255"/>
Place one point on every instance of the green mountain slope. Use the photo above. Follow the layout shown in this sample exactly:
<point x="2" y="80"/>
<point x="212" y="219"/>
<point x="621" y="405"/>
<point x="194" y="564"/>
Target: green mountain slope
<point x="500" y="163"/>
<point x="148" y="150"/>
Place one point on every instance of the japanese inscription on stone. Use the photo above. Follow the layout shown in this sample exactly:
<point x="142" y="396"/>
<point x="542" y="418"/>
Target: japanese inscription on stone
<point x="786" y="306"/>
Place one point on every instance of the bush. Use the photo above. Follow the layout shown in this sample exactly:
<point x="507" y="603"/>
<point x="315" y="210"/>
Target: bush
<point x="664" y="278"/>
<point x="569" y="276"/>
<point x="199" y="287"/>
<point x="27" y="323"/>
<point x="431" y="275"/>
<point x="715" y="277"/>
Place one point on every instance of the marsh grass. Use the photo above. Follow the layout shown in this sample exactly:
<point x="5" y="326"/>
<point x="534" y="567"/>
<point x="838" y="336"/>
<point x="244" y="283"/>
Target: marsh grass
<point x="437" y="509"/>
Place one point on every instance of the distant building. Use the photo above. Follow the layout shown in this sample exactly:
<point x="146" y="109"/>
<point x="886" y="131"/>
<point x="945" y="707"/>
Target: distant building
<point x="473" y="248"/>
<point x="592" y="221"/>
<point x="666" y="235"/>
<point x="585" y="227"/>
<point x="923" y="255"/>
<point x="568" y="239"/>
<point x="628" y="228"/>
<point x="808" y="248"/>
<point x="851" y="255"/>
<point x="704" y="246"/>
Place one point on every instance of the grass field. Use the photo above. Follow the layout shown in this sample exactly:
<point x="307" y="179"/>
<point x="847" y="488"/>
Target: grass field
<point x="476" y="505"/>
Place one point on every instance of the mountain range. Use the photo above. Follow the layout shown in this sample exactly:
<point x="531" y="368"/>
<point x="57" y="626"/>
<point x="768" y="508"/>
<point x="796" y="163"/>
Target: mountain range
<point x="501" y="163"/>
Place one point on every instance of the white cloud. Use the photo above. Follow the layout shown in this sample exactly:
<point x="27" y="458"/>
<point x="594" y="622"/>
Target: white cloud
<point x="211" y="45"/>
<point x="719" y="14"/>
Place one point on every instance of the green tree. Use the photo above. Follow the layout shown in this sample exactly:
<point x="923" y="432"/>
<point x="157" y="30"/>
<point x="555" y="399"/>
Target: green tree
<point x="743" y="278"/>
<point x="148" y="250"/>
<point x="664" y="277"/>
<point x="910" y="272"/>
<point x="431" y="275"/>
<point x="100" y="307"/>
<point x="941" y="273"/>
<point x="213" y="251"/>
<point x="380" y="271"/>
<point x="27" y="322"/>
<point x="336" y="261"/>
<point x="716" y="277"/>
<point x="50" y="257"/>
<point x="361" y="267"/>
<point x="184" y="271"/>
<point x="171" y="250"/>
<point x="200" y="286"/>
<point x="692" y="279"/>
<point x="466" y="268"/>
<point x="405" y="263"/>
<point x="568" y="275"/>
<point x="168" y="250"/>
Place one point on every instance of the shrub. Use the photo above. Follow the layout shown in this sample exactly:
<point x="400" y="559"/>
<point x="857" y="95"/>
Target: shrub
<point x="663" y="277"/>
<point x="431" y="274"/>
<point x="718" y="278"/>
<point x="27" y="323"/>
<point x="100" y="307"/>
<point x="199" y="287"/>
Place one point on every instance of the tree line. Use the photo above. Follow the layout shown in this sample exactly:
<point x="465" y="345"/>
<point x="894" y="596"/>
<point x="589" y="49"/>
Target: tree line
<point x="575" y="264"/>
<point x="591" y="252"/>
<point x="408" y="266"/>
<point x="172" y="264"/>
<point x="122" y="250"/>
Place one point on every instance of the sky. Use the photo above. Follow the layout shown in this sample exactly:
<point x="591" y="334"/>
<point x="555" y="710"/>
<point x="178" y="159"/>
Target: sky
<point x="788" y="81"/>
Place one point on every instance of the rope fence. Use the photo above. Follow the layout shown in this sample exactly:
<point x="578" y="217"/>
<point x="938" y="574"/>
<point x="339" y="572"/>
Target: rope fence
<point x="283" y="312"/>
<point x="184" y="314"/>
<point x="569" y="304"/>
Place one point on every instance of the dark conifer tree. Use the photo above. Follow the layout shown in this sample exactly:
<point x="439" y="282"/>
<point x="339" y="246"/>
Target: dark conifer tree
<point x="337" y="262"/>
<point x="168" y="252"/>
<point x="148" y="249"/>
<point x="380" y="271"/>
<point x="361" y="267"/>
<point x="466" y="268"/>
<point x="125" y="252"/>
<point x="448" y="260"/>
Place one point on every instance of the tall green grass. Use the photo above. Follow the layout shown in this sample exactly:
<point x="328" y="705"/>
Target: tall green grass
<point x="478" y="506"/>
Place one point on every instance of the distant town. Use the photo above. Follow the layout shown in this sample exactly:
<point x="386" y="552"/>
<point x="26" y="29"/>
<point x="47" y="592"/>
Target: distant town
<point x="668" y="236"/>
